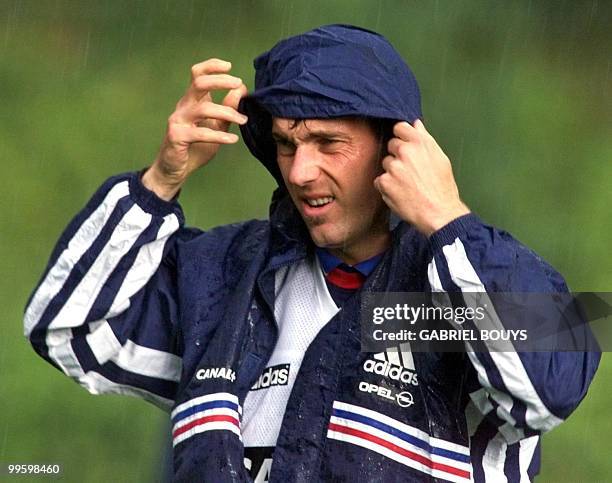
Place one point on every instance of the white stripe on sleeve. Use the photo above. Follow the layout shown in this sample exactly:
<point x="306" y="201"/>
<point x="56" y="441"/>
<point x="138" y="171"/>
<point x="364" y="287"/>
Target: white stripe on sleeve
<point x="60" y="351"/>
<point x="473" y="416"/>
<point x="149" y="362"/>
<point x="494" y="459"/>
<point x="146" y="263"/>
<point x="103" y="342"/>
<point x="508" y="363"/>
<point x="80" y="301"/>
<point x="132" y="357"/>
<point x="527" y="448"/>
<point x="97" y="384"/>
<point x="78" y="245"/>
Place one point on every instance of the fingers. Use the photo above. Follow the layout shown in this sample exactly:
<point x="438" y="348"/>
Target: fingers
<point x="210" y="66"/>
<point x="230" y="102"/>
<point x="392" y="165"/>
<point x="197" y="105"/>
<point x="209" y="110"/>
<point x="184" y="135"/>
<point x="234" y="95"/>
<point x="394" y="145"/>
<point x="384" y="185"/>
<point x="377" y="184"/>
<point x="403" y="149"/>
<point x="205" y="135"/>
<point x="198" y="125"/>
<point x="408" y="139"/>
<point x="406" y="132"/>
<point x="419" y="126"/>
<point x="210" y="75"/>
<point x="203" y="84"/>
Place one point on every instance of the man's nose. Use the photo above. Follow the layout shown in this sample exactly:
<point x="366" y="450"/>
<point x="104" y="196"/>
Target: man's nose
<point x="305" y="167"/>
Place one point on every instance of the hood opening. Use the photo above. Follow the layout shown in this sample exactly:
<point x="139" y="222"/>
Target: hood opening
<point x="329" y="72"/>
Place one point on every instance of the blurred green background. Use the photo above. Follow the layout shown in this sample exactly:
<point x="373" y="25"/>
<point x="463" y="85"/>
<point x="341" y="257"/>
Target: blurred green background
<point x="517" y="93"/>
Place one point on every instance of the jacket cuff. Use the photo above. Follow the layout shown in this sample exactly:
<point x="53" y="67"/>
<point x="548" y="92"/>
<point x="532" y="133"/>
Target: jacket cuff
<point x="149" y="201"/>
<point x="457" y="228"/>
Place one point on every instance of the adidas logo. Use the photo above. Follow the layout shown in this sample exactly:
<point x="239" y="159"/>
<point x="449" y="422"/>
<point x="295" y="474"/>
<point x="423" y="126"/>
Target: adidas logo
<point x="395" y="363"/>
<point x="273" y="376"/>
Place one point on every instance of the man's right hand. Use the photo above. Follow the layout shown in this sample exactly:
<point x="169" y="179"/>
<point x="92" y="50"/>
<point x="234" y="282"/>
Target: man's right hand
<point x="197" y="127"/>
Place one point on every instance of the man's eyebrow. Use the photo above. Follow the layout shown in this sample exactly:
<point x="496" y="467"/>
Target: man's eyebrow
<point x="327" y="135"/>
<point x="279" y="136"/>
<point x="313" y="135"/>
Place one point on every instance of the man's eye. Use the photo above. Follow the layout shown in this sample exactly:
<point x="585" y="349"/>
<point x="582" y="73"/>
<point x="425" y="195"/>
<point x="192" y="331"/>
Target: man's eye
<point x="328" y="143"/>
<point x="284" y="147"/>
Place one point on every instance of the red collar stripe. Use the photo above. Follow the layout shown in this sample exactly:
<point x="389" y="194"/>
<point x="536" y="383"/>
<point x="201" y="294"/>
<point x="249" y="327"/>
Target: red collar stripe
<point x="346" y="280"/>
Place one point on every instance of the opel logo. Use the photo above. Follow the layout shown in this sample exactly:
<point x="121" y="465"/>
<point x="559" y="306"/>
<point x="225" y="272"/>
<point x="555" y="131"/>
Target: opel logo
<point x="404" y="399"/>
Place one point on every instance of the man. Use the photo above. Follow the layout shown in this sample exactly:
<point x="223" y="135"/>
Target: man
<point x="250" y="334"/>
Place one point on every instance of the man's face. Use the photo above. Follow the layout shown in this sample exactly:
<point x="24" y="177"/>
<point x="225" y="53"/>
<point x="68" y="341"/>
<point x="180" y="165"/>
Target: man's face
<point x="329" y="166"/>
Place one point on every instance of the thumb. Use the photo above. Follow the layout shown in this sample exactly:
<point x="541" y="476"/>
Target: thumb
<point x="234" y="95"/>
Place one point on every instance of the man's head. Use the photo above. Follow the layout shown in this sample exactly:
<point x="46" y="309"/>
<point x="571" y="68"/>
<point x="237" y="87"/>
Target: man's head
<point x="329" y="76"/>
<point x="328" y="167"/>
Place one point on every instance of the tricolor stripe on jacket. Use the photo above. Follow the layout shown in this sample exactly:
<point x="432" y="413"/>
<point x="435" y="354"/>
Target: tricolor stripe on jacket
<point x="212" y="412"/>
<point x="401" y="442"/>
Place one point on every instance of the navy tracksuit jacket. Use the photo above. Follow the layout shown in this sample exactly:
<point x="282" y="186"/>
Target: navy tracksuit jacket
<point x="132" y="302"/>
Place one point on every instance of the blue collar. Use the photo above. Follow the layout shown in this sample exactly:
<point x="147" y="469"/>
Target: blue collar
<point x="329" y="262"/>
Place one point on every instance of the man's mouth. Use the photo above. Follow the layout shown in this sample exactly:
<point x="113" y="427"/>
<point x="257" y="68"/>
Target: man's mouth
<point x="316" y="202"/>
<point x="314" y="206"/>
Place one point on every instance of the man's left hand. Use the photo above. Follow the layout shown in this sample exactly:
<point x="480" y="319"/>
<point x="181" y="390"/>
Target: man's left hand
<point x="418" y="182"/>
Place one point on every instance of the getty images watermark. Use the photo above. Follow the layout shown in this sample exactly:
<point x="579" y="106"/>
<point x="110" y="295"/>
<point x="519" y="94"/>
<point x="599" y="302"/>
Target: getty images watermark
<point x="491" y="322"/>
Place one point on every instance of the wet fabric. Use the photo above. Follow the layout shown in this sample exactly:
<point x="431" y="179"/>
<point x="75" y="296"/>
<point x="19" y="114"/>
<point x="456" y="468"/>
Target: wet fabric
<point x="133" y="302"/>
<point x="186" y="319"/>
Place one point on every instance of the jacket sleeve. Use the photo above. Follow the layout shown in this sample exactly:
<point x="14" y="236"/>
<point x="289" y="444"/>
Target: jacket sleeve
<point x="526" y="393"/>
<point x="105" y="310"/>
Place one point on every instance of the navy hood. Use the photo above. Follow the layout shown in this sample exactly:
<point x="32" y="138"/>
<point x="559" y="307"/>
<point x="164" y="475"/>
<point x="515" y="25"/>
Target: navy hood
<point x="329" y="72"/>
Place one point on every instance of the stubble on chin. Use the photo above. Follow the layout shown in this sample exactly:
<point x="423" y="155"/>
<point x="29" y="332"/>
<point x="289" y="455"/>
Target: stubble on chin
<point x="313" y="221"/>
<point x="321" y="237"/>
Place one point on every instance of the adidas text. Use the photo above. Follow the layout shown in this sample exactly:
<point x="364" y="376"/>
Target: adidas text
<point x="273" y="376"/>
<point x="392" y="371"/>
